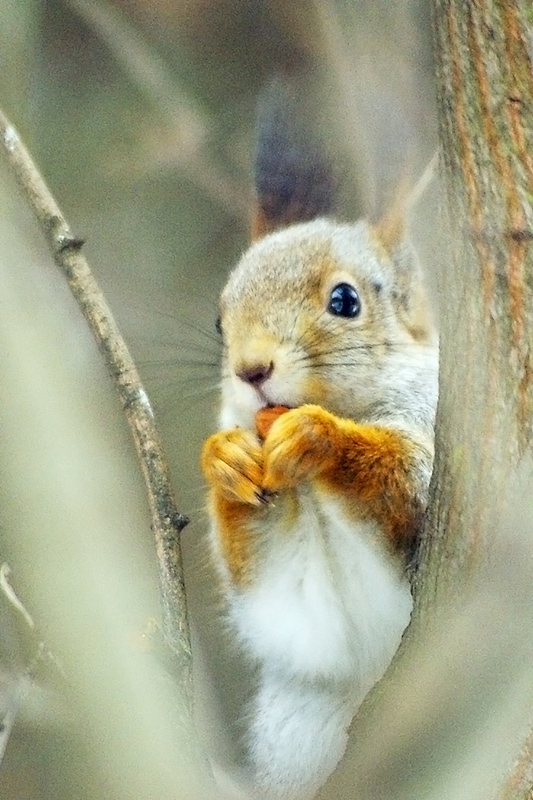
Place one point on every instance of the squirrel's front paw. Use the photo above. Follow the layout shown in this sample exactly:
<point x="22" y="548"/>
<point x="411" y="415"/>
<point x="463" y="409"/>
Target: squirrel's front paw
<point x="299" y="446"/>
<point x="232" y="462"/>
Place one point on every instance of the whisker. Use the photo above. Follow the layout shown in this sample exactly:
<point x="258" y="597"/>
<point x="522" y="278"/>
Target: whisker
<point x="182" y="380"/>
<point x="334" y="364"/>
<point x="176" y="403"/>
<point x="176" y="345"/>
<point x="303" y="357"/>
<point x="204" y="391"/>
<point x="185" y="331"/>
<point x="211" y="337"/>
<point x="309" y="327"/>
<point x="173" y="362"/>
<point x="306" y="357"/>
<point x="180" y="317"/>
<point x="158" y="382"/>
<point x="343" y="363"/>
<point x="293" y="326"/>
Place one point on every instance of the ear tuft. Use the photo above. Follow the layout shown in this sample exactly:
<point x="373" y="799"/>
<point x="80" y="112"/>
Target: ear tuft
<point x="391" y="228"/>
<point x="294" y="179"/>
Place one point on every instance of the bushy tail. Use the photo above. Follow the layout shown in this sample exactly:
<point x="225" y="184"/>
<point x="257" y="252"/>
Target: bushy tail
<point x="298" y="736"/>
<point x="295" y="180"/>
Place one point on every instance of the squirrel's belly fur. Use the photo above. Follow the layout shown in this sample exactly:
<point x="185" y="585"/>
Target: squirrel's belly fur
<point x="326" y="599"/>
<point x="323" y="614"/>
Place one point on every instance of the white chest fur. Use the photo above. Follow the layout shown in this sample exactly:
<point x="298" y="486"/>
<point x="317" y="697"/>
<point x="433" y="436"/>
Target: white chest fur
<point x="328" y="601"/>
<point x="323" y="617"/>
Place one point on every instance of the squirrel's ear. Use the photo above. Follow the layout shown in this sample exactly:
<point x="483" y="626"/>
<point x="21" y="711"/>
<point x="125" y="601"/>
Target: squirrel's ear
<point x="391" y="232"/>
<point x="391" y="228"/>
<point x="294" y="179"/>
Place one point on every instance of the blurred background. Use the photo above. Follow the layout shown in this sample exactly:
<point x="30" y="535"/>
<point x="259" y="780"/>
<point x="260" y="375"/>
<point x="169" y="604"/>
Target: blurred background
<point x="141" y="115"/>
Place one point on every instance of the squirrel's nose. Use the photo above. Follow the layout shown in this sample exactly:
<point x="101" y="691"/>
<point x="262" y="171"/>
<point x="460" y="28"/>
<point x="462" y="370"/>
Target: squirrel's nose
<point x="257" y="374"/>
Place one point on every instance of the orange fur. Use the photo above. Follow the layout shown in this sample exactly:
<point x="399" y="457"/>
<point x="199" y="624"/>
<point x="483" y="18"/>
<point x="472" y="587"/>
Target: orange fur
<point x="371" y="465"/>
<point x="377" y="467"/>
<point x="235" y="535"/>
<point x="232" y="462"/>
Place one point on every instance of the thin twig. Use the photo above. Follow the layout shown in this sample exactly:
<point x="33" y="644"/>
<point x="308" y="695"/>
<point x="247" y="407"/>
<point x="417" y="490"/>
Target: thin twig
<point x="24" y="681"/>
<point x="11" y="595"/>
<point x="43" y="651"/>
<point x="152" y="76"/>
<point x="167" y="522"/>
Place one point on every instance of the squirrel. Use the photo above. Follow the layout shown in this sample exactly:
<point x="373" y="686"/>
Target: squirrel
<point x="313" y="523"/>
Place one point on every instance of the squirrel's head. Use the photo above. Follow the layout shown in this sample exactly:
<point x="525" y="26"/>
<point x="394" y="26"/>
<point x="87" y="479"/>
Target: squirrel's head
<point x="318" y="311"/>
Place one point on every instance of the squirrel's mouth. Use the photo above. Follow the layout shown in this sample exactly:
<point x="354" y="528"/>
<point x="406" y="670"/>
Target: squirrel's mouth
<point x="268" y="401"/>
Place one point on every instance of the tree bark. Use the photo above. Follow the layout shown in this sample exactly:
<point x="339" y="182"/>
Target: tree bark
<point x="484" y="425"/>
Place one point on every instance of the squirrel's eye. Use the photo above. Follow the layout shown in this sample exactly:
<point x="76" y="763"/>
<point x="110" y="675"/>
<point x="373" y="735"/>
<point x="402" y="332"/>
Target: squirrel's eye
<point x="344" y="301"/>
<point x="218" y="326"/>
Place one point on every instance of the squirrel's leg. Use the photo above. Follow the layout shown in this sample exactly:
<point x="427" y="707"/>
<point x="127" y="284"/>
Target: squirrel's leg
<point x="376" y="468"/>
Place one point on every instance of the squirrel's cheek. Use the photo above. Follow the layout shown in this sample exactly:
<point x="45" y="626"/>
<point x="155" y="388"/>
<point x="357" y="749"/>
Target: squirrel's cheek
<point x="315" y="389"/>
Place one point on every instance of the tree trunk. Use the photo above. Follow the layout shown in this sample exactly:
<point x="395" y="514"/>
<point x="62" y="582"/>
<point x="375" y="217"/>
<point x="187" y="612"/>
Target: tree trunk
<point x="484" y="427"/>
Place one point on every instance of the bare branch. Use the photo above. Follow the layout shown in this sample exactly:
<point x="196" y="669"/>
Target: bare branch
<point x="167" y="522"/>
